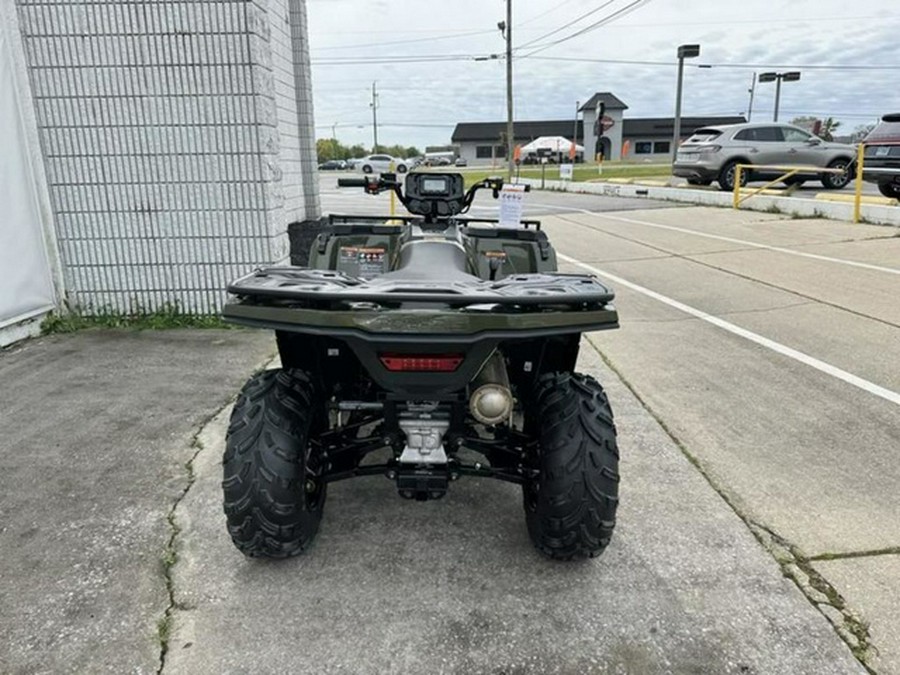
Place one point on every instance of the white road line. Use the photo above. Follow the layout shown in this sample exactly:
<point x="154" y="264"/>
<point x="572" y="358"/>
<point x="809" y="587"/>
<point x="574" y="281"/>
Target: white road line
<point x="732" y="240"/>
<point x="805" y="359"/>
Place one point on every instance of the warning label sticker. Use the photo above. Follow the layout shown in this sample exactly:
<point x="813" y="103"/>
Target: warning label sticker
<point x="362" y="261"/>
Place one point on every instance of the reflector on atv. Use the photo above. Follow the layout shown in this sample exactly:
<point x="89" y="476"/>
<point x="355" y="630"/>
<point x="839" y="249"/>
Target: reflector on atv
<point x="445" y="336"/>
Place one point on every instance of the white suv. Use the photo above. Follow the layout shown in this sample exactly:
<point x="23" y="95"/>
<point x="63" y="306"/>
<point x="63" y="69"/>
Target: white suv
<point x="381" y="164"/>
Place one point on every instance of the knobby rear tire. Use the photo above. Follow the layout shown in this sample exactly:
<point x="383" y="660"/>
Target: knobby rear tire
<point x="570" y="508"/>
<point x="273" y="498"/>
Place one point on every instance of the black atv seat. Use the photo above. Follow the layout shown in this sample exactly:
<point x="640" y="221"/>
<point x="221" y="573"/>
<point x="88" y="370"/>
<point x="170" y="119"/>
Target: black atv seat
<point x="430" y="261"/>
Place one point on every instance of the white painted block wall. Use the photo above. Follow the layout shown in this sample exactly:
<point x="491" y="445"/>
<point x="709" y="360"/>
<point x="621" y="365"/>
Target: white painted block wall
<point x="175" y="140"/>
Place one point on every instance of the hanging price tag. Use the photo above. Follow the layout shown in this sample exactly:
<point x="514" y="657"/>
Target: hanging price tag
<point x="512" y="201"/>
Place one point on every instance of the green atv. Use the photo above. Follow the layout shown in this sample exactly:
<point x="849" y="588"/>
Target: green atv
<point x="410" y="348"/>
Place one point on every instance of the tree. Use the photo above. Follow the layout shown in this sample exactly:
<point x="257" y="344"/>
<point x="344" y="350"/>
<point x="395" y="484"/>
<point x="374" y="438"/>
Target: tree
<point x="328" y="148"/>
<point x="829" y="128"/>
<point x="331" y="148"/>
<point x="860" y="132"/>
<point x="805" y="121"/>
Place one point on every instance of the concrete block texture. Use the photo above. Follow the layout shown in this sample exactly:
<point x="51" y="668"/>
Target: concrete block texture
<point x="178" y="141"/>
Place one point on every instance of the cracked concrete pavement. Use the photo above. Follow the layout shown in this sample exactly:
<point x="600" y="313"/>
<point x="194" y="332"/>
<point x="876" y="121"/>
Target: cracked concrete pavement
<point x="391" y="585"/>
<point x="95" y="428"/>
<point x="454" y="586"/>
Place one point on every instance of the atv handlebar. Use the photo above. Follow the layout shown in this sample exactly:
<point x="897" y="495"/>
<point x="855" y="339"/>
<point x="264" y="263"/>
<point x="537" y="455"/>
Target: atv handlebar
<point x="352" y="182"/>
<point x="388" y="181"/>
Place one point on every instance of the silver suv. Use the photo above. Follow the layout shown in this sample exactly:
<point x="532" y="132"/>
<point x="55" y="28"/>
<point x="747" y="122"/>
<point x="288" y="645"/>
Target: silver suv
<point x="712" y="153"/>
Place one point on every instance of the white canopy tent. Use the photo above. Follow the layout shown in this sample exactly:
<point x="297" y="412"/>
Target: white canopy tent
<point x="552" y="143"/>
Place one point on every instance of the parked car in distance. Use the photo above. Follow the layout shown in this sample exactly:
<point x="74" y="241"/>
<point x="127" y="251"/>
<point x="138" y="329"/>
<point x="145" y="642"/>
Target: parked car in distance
<point x="437" y="161"/>
<point x="382" y="164"/>
<point x="712" y="153"/>
<point x="883" y="152"/>
<point x="461" y="161"/>
<point x="333" y="165"/>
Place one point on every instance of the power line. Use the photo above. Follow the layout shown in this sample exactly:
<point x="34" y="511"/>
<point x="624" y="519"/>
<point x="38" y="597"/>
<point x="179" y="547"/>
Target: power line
<point x="624" y="11"/>
<point x="543" y="14"/>
<point x="378" y="60"/>
<point x="404" y="42"/>
<point x="671" y="64"/>
<point x="753" y="21"/>
<point x="564" y="26"/>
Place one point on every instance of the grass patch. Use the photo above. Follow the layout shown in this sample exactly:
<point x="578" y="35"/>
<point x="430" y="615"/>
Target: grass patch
<point x="166" y="317"/>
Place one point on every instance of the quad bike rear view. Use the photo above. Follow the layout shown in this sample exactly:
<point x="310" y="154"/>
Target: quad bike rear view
<point x="427" y="349"/>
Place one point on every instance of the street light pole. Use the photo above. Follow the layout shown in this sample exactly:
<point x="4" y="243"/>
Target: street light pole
<point x="777" y="98"/>
<point x="684" y="52"/>
<point x="575" y="127"/>
<point x="791" y="76"/>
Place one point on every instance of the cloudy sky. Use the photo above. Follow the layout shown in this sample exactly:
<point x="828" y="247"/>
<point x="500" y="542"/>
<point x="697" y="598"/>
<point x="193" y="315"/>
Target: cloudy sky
<point x="356" y="42"/>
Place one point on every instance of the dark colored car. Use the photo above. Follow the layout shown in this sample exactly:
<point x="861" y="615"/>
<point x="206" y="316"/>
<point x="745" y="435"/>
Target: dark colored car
<point x="333" y="165"/>
<point x="883" y="156"/>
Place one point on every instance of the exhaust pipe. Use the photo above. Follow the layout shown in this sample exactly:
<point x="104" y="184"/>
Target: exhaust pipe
<point x="491" y="401"/>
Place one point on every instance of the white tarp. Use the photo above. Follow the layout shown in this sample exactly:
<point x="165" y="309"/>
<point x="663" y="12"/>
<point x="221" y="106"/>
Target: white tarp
<point x="26" y="287"/>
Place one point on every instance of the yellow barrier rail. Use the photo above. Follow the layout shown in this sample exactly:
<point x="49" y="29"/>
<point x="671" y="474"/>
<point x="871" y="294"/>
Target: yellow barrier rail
<point x="857" y="203"/>
<point x="789" y="170"/>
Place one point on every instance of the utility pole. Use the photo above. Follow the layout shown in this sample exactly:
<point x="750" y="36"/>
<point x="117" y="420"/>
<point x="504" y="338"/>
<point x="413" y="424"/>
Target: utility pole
<point x="752" y="91"/>
<point x="374" y="105"/>
<point x="510" y="138"/>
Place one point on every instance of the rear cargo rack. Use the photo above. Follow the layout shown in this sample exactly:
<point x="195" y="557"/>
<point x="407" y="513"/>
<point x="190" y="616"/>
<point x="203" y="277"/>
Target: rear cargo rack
<point x="525" y="291"/>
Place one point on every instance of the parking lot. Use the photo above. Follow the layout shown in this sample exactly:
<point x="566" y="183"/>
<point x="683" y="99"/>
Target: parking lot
<point x="758" y="412"/>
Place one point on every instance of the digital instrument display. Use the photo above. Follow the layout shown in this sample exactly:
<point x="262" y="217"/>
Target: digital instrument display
<point x="434" y="186"/>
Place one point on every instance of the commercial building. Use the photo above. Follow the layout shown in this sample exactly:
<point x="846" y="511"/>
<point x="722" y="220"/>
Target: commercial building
<point x="483" y="143"/>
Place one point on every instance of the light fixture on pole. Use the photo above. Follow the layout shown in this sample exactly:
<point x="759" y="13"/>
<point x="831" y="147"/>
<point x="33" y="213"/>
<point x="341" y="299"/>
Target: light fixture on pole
<point x="684" y="52"/>
<point x="791" y="76"/>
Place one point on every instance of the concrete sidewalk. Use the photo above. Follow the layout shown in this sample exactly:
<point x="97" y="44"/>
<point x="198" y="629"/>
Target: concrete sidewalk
<point x="95" y="433"/>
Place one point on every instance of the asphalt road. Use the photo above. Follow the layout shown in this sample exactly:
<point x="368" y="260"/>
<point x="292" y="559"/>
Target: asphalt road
<point x="755" y="390"/>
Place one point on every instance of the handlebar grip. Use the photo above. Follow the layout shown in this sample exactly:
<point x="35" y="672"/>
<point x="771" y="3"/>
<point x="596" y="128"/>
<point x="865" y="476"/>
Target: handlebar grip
<point x="352" y="182"/>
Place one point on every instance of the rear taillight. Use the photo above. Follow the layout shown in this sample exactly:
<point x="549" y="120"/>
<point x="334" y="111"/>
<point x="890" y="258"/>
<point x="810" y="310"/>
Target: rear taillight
<point x="421" y="363"/>
<point x="709" y="148"/>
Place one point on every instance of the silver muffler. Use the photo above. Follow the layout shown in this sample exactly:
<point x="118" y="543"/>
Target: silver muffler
<point x="491" y="401"/>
